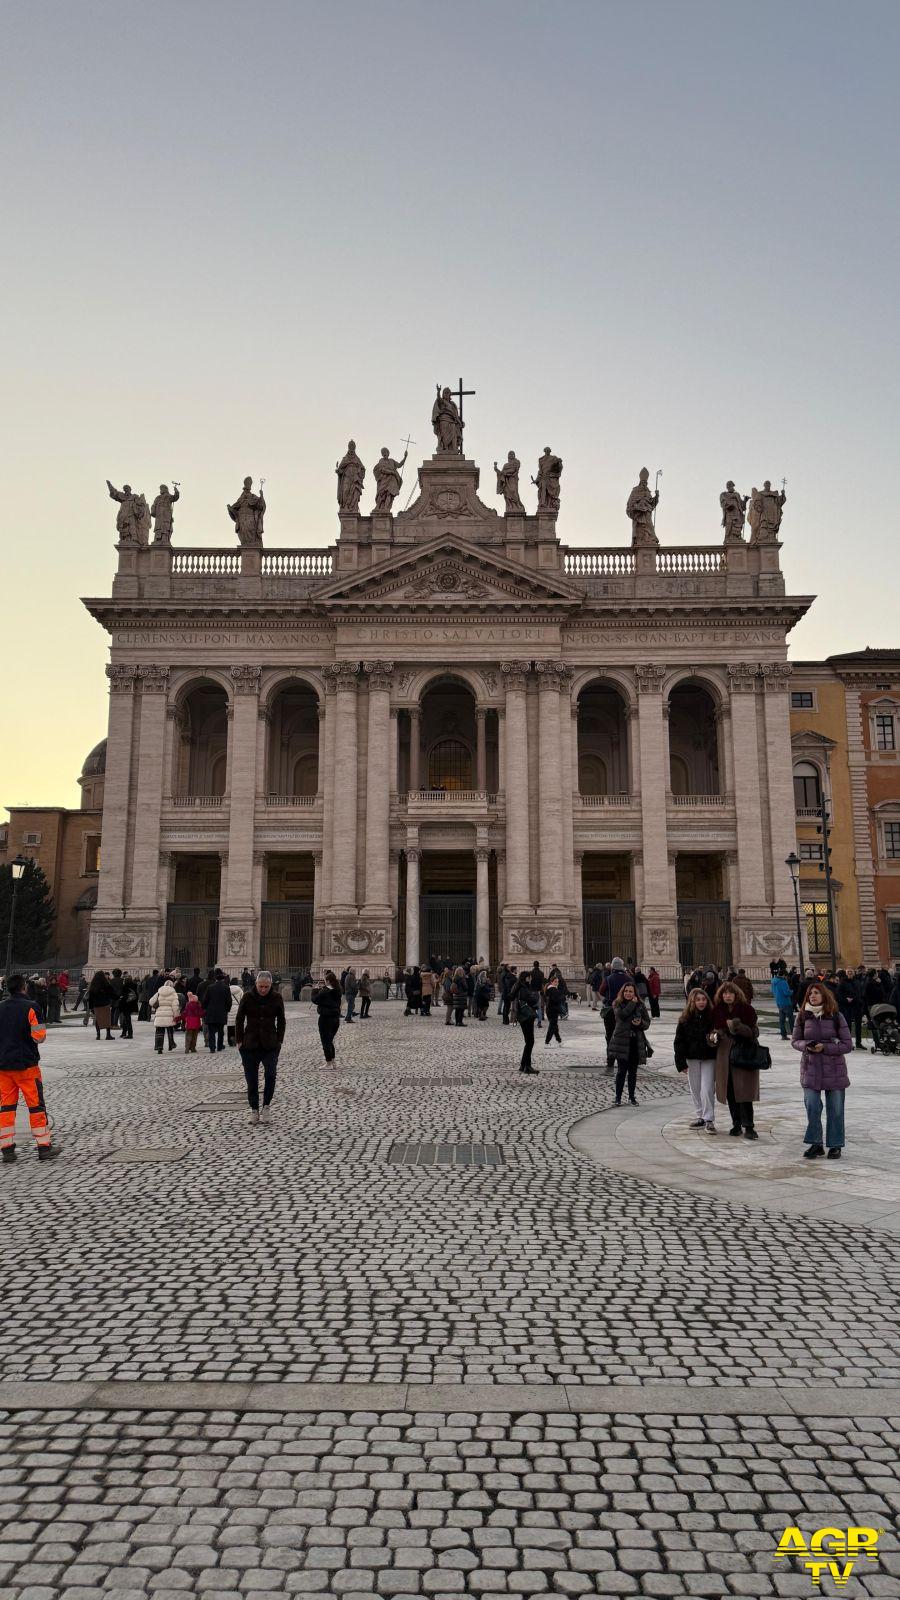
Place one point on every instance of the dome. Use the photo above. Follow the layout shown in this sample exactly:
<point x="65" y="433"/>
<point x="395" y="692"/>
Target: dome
<point x="95" y="763"/>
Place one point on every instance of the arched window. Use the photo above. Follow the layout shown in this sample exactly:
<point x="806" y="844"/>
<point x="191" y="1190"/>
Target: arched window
<point x="807" y="787"/>
<point x="592" y="775"/>
<point x="306" y="774"/>
<point x="680" y="776"/>
<point x="450" y="765"/>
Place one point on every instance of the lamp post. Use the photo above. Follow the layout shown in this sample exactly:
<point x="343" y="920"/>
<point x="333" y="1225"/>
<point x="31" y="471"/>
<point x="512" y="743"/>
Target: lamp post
<point x="792" y="862"/>
<point x="17" y="868"/>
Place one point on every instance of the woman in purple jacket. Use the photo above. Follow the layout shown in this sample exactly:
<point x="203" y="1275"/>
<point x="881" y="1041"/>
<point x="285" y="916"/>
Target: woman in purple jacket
<point x="822" y="1034"/>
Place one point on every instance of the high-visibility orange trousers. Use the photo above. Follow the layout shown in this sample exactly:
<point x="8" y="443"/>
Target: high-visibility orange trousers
<point x="28" y="1083"/>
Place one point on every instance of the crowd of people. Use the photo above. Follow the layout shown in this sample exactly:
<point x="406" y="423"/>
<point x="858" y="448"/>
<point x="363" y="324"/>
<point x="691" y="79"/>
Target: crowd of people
<point x="716" y="1044"/>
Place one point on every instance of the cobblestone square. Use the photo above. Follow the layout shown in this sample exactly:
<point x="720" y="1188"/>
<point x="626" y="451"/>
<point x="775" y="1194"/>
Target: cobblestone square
<point x="284" y="1362"/>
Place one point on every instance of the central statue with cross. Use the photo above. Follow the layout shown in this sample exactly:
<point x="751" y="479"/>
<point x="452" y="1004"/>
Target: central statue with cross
<point x="447" y="419"/>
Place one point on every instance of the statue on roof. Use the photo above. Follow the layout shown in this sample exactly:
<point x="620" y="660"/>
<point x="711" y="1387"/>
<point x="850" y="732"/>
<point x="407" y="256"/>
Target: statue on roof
<point x="508" y="484"/>
<point x="350" y="478"/>
<point x="447" y="423"/>
<point x="547" y="481"/>
<point x="642" y="502"/>
<point x="133" y="516"/>
<point x="247" y="514"/>
<point x="388" y="481"/>
<point x="734" y="509"/>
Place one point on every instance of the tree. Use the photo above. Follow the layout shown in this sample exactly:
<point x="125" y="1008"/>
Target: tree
<point x="35" y="912"/>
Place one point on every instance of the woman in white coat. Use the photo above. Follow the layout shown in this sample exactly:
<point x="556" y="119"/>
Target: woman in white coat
<point x="165" y="1008"/>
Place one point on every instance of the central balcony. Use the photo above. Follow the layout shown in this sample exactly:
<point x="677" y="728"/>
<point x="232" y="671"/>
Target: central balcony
<point x="459" y="803"/>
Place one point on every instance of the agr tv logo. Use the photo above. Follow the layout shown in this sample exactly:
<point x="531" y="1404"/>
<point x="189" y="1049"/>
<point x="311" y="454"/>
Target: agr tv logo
<point x="834" y="1551"/>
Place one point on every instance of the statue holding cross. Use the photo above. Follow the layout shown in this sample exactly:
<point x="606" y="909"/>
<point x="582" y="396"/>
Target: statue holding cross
<point x="447" y="420"/>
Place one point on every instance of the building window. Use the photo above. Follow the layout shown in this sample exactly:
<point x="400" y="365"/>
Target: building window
<point x="810" y="852"/>
<point x="892" y="840"/>
<point x="91" y="853"/>
<point x="816" y="915"/>
<point x="450" y="765"/>
<point x="885" y="733"/>
<point x="894" y="937"/>
<point x="807" y="788"/>
<point x="803" y="700"/>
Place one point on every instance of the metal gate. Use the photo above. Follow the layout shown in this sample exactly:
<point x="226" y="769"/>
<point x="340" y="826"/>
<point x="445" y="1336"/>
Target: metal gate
<point x="448" y="927"/>
<point x="609" y="930"/>
<point x="286" y="936"/>
<point x="704" y="933"/>
<point x="192" y="936"/>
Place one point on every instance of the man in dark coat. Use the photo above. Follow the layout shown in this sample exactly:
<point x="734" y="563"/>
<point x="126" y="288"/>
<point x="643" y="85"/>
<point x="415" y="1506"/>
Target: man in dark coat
<point x="259" y="1030"/>
<point x="216" y="1006"/>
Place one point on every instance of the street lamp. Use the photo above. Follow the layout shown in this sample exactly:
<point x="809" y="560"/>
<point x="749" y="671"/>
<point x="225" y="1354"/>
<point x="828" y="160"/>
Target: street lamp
<point x="17" y="868"/>
<point x="792" y="862"/>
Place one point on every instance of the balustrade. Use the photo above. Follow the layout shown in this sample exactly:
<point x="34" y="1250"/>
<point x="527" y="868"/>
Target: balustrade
<point x="206" y="563"/>
<point x="204" y="801"/>
<point x="697" y="799"/>
<point x="292" y="799"/>
<point x="605" y="799"/>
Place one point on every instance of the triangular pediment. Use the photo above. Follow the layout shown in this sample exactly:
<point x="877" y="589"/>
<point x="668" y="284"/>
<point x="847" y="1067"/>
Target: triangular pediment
<point x="449" y="572"/>
<point x="808" y="736"/>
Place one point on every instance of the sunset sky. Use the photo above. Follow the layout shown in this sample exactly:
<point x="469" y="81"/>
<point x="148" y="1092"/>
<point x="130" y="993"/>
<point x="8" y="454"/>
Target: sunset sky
<point x="238" y="234"/>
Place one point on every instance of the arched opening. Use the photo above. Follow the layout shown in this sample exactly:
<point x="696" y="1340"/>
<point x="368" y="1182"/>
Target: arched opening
<point x="446" y="748"/>
<point x="450" y="765"/>
<point x="201" y="759"/>
<point x="293" y="761"/>
<point x="807" y="786"/>
<point x="603" y="769"/>
<point x="693" y="742"/>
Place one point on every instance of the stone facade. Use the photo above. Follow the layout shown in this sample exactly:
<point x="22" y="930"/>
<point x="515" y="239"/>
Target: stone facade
<point x="447" y="727"/>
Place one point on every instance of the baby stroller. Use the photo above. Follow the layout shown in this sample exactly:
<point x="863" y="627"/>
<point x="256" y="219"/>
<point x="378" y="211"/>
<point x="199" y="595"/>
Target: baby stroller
<point x="885" y="1030"/>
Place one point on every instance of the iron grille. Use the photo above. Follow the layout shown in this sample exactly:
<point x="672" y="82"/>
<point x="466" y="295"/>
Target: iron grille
<point x="192" y="936"/>
<point x="609" y="930"/>
<point x="704" y="933"/>
<point x="286" y="931"/>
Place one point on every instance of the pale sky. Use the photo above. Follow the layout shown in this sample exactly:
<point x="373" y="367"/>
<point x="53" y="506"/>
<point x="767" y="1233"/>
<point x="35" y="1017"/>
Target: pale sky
<point x="239" y="232"/>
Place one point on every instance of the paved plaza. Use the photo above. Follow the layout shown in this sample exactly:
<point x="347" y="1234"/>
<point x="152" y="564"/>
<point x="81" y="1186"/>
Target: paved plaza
<point x="440" y="1329"/>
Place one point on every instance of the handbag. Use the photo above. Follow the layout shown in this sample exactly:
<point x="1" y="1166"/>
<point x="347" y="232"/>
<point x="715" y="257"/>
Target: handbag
<point x="749" y="1055"/>
<point x="524" y="1011"/>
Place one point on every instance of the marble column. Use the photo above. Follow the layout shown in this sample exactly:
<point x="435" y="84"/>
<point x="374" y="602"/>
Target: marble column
<point x="780" y="785"/>
<point x="148" y="798"/>
<point x="482" y="904"/>
<point x="415" y="749"/>
<point x="238" y="915"/>
<point x="518" y="879"/>
<point x="378" y="786"/>
<point x="317" y="905"/>
<point x="567" y="720"/>
<point x="578" y="952"/>
<point x="343" y="873"/>
<point x="119" y="738"/>
<point x="327" y="719"/>
<point x="412" y="906"/>
<point x="395" y="750"/>
<point x="744" y="679"/>
<point x="481" y="750"/>
<point x="549" y="790"/>
<point x="658" y="935"/>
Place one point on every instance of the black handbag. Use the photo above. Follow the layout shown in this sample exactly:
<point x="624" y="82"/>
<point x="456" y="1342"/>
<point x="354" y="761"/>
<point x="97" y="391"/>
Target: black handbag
<point x="749" y="1055"/>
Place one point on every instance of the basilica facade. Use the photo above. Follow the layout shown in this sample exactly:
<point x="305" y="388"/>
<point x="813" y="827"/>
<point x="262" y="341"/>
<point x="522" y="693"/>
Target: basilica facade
<point x="446" y="734"/>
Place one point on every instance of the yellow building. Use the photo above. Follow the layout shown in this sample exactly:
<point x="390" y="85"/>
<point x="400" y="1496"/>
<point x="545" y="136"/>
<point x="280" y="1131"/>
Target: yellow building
<point x="820" y="753"/>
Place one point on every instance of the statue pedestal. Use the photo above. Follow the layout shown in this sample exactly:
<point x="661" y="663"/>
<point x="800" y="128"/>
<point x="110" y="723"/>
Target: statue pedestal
<point x="382" y="533"/>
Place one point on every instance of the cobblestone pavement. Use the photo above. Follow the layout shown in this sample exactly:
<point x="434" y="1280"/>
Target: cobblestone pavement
<point x="108" y="1505"/>
<point x="298" y="1252"/>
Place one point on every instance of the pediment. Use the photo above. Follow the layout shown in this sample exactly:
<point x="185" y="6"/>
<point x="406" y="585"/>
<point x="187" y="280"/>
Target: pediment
<point x="449" y="572"/>
<point x="807" y="736"/>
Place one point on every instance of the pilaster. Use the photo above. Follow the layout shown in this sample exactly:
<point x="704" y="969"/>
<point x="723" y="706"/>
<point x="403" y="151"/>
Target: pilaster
<point x="658" y="932"/>
<point x="238" y="928"/>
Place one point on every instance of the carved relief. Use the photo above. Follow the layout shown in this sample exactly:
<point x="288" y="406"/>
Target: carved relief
<point x="649" y="677"/>
<point x="154" y="680"/>
<point x="514" y="673"/>
<point x="245" y="679"/>
<point x="237" y="942"/>
<point x="743" y="677"/>
<point x="769" y="942"/>
<point x="121" y="678"/>
<point x="659" y="941"/>
<point x="136" y="946"/>
<point x="358" y="941"/>
<point x="537" y="941"/>
<point x="776" y="676"/>
<point x="379" y="673"/>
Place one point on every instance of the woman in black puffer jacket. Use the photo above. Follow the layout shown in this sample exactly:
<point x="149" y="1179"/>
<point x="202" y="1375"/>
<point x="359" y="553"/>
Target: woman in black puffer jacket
<point x="628" y="1044"/>
<point x="327" y="1001"/>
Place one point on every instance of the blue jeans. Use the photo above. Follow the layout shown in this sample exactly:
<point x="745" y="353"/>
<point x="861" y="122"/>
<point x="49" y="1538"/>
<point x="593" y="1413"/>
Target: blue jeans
<point x="351" y="1001"/>
<point x="786" y="1021"/>
<point x="834" y="1117"/>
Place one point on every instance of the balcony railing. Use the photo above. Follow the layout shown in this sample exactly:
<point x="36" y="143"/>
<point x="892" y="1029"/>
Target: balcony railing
<point x="292" y="799"/>
<point x="205" y="801"/>
<point x="807" y="814"/>
<point x="690" y="559"/>
<point x="206" y="563"/>
<point x="297" y="563"/>
<point x="451" y="797"/>
<point x="599" y="563"/>
<point x="605" y="799"/>
<point x="698" y="799"/>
